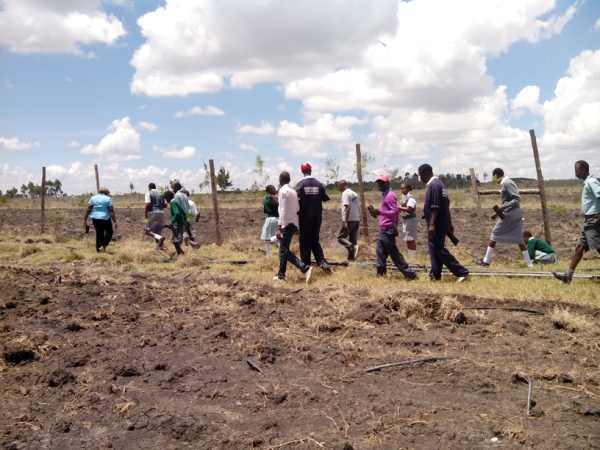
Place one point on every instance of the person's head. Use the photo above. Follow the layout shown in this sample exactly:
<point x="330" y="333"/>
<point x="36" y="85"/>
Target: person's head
<point x="271" y="190"/>
<point x="151" y="186"/>
<point x="104" y="190"/>
<point x="186" y="192"/>
<point x="176" y="185"/>
<point x="342" y="185"/>
<point x="497" y="175"/>
<point x="405" y="188"/>
<point x="527" y="235"/>
<point x="284" y="178"/>
<point x="306" y="168"/>
<point x="383" y="183"/>
<point x="582" y="169"/>
<point x="425" y="172"/>
<point x="169" y="196"/>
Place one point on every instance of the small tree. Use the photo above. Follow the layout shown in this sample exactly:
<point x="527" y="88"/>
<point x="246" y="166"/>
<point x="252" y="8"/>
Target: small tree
<point x="365" y="160"/>
<point x="131" y="187"/>
<point x="224" y="179"/>
<point x="12" y="193"/>
<point x="206" y="181"/>
<point x="332" y="170"/>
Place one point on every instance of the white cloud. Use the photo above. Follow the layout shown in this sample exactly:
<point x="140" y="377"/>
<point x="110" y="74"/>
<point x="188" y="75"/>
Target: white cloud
<point x="15" y="144"/>
<point x="597" y="25"/>
<point x="572" y="128"/>
<point x="148" y="126"/>
<point x="32" y="26"/>
<point x="186" y="152"/>
<point x="528" y="99"/>
<point x="248" y="147"/>
<point x="146" y="174"/>
<point x="14" y="176"/>
<point x="73" y="144"/>
<point x="200" y="111"/>
<point x="122" y="143"/>
<point x="264" y="128"/>
<point x="57" y="170"/>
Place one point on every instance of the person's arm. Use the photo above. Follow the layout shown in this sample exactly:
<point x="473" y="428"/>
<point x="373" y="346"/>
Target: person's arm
<point x="87" y="214"/>
<point x="197" y="215"/>
<point x="324" y="196"/>
<point x="147" y="210"/>
<point x="111" y="210"/>
<point x="282" y="210"/>
<point x="411" y="206"/>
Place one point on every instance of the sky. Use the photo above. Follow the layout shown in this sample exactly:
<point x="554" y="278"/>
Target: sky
<point x="150" y="90"/>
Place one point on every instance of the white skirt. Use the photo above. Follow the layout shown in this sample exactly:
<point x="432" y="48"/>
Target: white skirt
<point x="269" y="229"/>
<point x="409" y="229"/>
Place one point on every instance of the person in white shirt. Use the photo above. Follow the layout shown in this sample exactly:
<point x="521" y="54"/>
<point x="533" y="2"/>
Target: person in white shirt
<point x="348" y="235"/>
<point x="155" y="215"/>
<point x="287" y="226"/>
<point x="408" y="212"/>
<point x="193" y="217"/>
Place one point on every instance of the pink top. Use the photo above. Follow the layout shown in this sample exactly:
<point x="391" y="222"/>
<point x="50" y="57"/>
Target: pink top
<point x="388" y="211"/>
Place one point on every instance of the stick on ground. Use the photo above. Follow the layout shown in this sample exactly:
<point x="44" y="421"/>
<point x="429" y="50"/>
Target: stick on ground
<point x="409" y="362"/>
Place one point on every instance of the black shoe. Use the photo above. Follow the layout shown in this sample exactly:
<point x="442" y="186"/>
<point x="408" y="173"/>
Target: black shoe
<point x="482" y="263"/>
<point x="410" y="275"/>
<point x="564" y="277"/>
<point x="325" y="267"/>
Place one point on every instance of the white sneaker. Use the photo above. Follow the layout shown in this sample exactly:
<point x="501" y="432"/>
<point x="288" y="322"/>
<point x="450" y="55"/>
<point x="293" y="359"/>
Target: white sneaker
<point x="276" y="278"/>
<point x="462" y="279"/>
<point x="308" y="274"/>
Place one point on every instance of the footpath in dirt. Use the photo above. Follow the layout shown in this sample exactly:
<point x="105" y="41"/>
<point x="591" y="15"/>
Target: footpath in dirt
<point x="190" y="360"/>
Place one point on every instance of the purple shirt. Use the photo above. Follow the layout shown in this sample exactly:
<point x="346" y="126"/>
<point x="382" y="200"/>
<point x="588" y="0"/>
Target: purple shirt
<point x="388" y="211"/>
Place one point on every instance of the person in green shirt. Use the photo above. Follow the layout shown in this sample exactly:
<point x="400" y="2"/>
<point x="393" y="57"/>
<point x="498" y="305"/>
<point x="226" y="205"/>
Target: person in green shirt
<point x="539" y="250"/>
<point x="590" y="207"/>
<point x="179" y="221"/>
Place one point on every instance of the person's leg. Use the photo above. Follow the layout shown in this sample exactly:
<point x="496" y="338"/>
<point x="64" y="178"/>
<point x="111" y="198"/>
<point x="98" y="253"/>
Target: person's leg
<point x="284" y="250"/>
<point x="353" y="239"/>
<point x="396" y="256"/>
<point x="489" y="253"/>
<point x="444" y="257"/>
<point x="343" y="239"/>
<point x="178" y="238"/>
<point x="545" y="258"/>
<point x="316" y="248"/>
<point x="435" y="273"/>
<point x="305" y="243"/>
<point x="583" y="245"/>
<point x="99" y="233"/>
<point x="108" y="233"/>
<point x="381" y="253"/>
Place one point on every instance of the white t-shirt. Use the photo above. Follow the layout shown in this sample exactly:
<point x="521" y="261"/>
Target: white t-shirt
<point x="288" y="206"/>
<point x="350" y="199"/>
<point x="193" y="210"/>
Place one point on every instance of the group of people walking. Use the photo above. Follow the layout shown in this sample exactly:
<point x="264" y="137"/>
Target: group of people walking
<point x="299" y="210"/>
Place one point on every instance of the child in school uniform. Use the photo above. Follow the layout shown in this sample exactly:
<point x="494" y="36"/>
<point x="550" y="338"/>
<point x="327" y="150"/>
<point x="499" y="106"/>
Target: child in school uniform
<point x="269" y="230"/>
<point x="408" y="212"/>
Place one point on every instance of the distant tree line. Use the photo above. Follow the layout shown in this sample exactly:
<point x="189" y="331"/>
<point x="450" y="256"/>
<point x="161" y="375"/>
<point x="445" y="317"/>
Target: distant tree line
<point x="32" y="190"/>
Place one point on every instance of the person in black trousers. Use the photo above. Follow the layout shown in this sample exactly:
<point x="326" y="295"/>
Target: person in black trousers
<point x="439" y="225"/>
<point x="311" y="195"/>
<point x="100" y="210"/>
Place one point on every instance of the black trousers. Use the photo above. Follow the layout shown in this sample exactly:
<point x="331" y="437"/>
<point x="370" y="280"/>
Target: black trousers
<point x="440" y="256"/>
<point x="386" y="246"/>
<point x="348" y="237"/>
<point x="285" y="254"/>
<point x="104" y="232"/>
<point x="309" y="241"/>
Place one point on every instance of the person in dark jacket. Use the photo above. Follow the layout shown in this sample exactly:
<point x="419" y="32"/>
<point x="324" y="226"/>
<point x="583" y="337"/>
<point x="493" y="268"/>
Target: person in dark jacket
<point x="311" y="195"/>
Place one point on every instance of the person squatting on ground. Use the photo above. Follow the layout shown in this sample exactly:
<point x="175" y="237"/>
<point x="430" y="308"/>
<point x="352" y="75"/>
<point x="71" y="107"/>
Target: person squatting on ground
<point x="101" y="211"/>
<point x="539" y="250"/>
<point x="193" y="217"/>
<point x="268" y="233"/>
<point x="408" y="212"/>
<point x="590" y="231"/>
<point x="348" y="235"/>
<point x="387" y="218"/>
<point x="178" y="221"/>
<point x="509" y="224"/>
<point x="287" y="226"/>
<point x="155" y="215"/>
<point x="436" y="209"/>
<point x="311" y="195"/>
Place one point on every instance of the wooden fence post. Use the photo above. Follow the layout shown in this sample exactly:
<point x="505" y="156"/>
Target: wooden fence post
<point x="215" y="200"/>
<point x="97" y="178"/>
<point x="540" y="178"/>
<point x="361" y="191"/>
<point x="43" y="195"/>
<point x="475" y="189"/>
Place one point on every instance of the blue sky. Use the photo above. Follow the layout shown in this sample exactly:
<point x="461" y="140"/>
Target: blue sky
<point x="55" y="101"/>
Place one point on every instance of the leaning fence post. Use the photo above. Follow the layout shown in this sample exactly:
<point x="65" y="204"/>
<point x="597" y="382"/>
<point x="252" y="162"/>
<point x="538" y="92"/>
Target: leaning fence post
<point x="97" y="177"/>
<point x="215" y="200"/>
<point x="361" y="191"/>
<point x="474" y="189"/>
<point x="540" y="178"/>
<point x="43" y="195"/>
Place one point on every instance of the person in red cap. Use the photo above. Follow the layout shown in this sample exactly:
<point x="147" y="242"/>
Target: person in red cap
<point x="311" y="195"/>
<point x="387" y="217"/>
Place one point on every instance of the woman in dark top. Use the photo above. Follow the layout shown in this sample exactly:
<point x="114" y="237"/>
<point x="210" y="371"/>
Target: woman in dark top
<point x="269" y="229"/>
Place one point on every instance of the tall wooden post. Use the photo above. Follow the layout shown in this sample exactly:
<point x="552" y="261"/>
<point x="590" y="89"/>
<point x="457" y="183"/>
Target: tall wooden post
<point x="361" y="191"/>
<point x="540" y="178"/>
<point x="97" y="177"/>
<point x="43" y="195"/>
<point x="215" y="200"/>
<point x="475" y="189"/>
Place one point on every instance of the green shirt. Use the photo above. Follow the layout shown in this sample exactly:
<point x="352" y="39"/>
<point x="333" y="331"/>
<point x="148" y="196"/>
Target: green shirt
<point x="534" y="245"/>
<point x="270" y="207"/>
<point x="590" y="196"/>
<point x="178" y="216"/>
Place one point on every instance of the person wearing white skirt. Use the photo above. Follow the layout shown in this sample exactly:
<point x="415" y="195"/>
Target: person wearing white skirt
<point x="269" y="230"/>
<point x="408" y="211"/>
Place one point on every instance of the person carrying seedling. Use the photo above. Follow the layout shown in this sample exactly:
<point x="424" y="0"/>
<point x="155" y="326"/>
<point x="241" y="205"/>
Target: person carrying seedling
<point x="348" y="235"/>
<point x="193" y="217"/>
<point x="590" y="231"/>
<point x="387" y="217"/>
<point x="270" y="208"/>
<point x="178" y="221"/>
<point x="101" y="211"/>
<point x="155" y="215"/>
<point x="436" y="209"/>
<point x="539" y="250"/>
<point x="408" y="212"/>
<point x="287" y="226"/>
<point x="509" y="223"/>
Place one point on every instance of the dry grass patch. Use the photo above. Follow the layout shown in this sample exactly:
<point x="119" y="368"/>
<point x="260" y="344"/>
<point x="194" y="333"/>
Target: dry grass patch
<point x="450" y="308"/>
<point x="564" y="319"/>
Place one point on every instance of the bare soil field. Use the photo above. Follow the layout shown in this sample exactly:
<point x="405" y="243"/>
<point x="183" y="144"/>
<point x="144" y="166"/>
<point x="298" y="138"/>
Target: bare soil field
<point x="96" y="355"/>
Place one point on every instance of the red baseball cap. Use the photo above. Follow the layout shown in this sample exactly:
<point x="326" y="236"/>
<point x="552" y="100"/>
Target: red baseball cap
<point x="306" y="167"/>
<point x="383" y="178"/>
